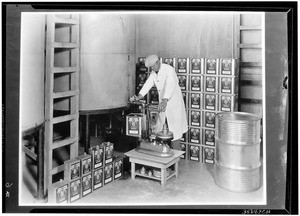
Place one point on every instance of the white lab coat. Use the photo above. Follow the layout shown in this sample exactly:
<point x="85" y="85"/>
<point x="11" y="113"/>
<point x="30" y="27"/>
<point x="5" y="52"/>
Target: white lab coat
<point x="166" y="82"/>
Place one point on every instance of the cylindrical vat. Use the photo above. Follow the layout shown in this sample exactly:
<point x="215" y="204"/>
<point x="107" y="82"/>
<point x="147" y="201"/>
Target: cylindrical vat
<point x="237" y="151"/>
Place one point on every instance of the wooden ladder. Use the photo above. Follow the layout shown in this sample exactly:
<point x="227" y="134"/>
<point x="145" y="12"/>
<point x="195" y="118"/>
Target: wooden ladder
<point x="62" y="60"/>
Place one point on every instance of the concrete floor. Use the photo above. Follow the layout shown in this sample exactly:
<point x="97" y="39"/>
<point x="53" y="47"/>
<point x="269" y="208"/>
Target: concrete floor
<point x="194" y="186"/>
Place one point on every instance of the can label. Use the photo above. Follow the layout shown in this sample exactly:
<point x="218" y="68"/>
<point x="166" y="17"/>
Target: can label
<point x="153" y="96"/>
<point x="75" y="170"/>
<point x="86" y="165"/>
<point x="194" y="153"/>
<point x="98" y="178"/>
<point x="211" y="66"/>
<point x="62" y="194"/>
<point x="98" y="158"/>
<point x="182" y="65"/>
<point x="195" y="135"/>
<point x="196" y="66"/>
<point x="184" y="97"/>
<point x="195" y="118"/>
<point x="183" y="148"/>
<point x="210" y="84"/>
<point x="142" y="79"/>
<point x="195" y="83"/>
<point x="118" y="169"/>
<point x="133" y="125"/>
<point x="226" y="103"/>
<point x="183" y="138"/>
<point x="209" y="137"/>
<point x="86" y="184"/>
<point x="169" y="61"/>
<point x="210" y="102"/>
<point x="182" y="82"/>
<point x="209" y="155"/>
<point x="108" y="173"/>
<point x="74" y="190"/>
<point x="226" y="66"/>
<point x="109" y="148"/>
<point x="195" y="100"/>
<point x="209" y="119"/>
<point x="226" y="85"/>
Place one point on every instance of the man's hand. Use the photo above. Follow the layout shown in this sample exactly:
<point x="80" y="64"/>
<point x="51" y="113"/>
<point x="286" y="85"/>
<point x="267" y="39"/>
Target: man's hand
<point x="162" y="105"/>
<point x="133" y="98"/>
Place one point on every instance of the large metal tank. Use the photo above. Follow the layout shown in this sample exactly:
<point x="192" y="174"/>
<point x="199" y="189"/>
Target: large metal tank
<point x="32" y="70"/>
<point x="107" y="60"/>
<point x="238" y="151"/>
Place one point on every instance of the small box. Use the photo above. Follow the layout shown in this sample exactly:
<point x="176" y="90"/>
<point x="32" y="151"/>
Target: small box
<point x="211" y="66"/>
<point x="210" y="102"/>
<point x="228" y="103"/>
<point x="195" y="135"/>
<point x="182" y="81"/>
<point x="108" y="152"/>
<point x="209" y="119"/>
<point x="197" y="65"/>
<point x="184" y="137"/>
<point x="229" y="85"/>
<point x="195" y="83"/>
<point x="141" y="64"/>
<point x="195" y="118"/>
<point x="208" y="137"/>
<point x="169" y="61"/>
<point x="210" y="84"/>
<point x="72" y="169"/>
<point x="194" y="153"/>
<point x="195" y="100"/>
<point x="183" y="148"/>
<point x="59" y="192"/>
<point x="141" y="79"/>
<point x="75" y="190"/>
<point x="184" y="97"/>
<point x="97" y="154"/>
<point x="135" y="124"/>
<point x="86" y="184"/>
<point x="229" y="67"/>
<point x="97" y="178"/>
<point x="118" y="168"/>
<point x="182" y="65"/>
<point x="86" y="164"/>
<point x="153" y="96"/>
<point x="108" y="173"/>
<point x="209" y="155"/>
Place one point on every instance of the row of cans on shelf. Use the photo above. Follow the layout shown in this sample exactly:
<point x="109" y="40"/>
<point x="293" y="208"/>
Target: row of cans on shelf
<point x="205" y="83"/>
<point x="198" y="153"/>
<point x="212" y="66"/>
<point x="199" y="136"/>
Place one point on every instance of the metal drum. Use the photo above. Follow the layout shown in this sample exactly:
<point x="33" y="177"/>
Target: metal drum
<point x="238" y="151"/>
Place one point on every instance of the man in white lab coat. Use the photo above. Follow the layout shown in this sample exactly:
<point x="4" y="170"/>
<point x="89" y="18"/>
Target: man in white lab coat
<point x="171" y="105"/>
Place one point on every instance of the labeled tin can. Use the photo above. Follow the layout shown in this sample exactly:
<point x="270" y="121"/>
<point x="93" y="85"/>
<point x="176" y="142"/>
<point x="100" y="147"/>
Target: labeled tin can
<point x="108" y="173"/>
<point x="208" y="155"/>
<point x="195" y="83"/>
<point x="211" y="84"/>
<point x="135" y="124"/>
<point x="182" y="65"/>
<point x="72" y="169"/>
<point x="97" y="178"/>
<point x="118" y="168"/>
<point x="211" y="66"/>
<point x="228" y="103"/>
<point x="195" y="118"/>
<point x="209" y="137"/>
<point x="141" y="64"/>
<point x="97" y="154"/>
<point x="229" y="85"/>
<point x="229" y="67"/>
<point x="195" y="100"/>
<point x="183" y="148"/>
<point x="75" y="190"/>
<point x="108" y="152"/>
<point x="153" y="96"/>
<point x="169" y="61"/>
<point x="184" y="137"/>
<point x="59" y="192"/>
<point x="210" y="102"/>
<point x="184" y="97"/>
<point x="86" y="184"/>
<point x="195" y="135"/>
<point x="86" y="164"/>
<point x="141" y="79"/>
<point x="209" y="119"/>
<point x="197" y="65"/>
<point x="194" y="153"/>
<point x="182" y="81"/>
